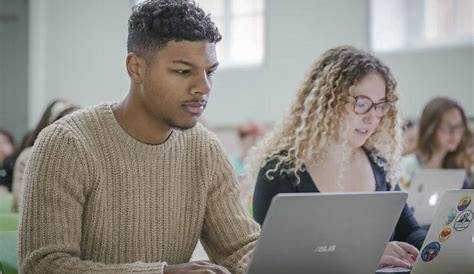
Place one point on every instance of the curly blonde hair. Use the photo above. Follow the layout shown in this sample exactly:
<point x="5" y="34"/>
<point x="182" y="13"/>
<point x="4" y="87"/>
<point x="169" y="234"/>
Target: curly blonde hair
<point x="316" y="116"/>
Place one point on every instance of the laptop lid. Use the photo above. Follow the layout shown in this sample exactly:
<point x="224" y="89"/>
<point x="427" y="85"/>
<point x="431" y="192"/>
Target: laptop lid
<point x="326" y="233"/>
<point x="426" y="189"/>
<point x="449" y="244"/>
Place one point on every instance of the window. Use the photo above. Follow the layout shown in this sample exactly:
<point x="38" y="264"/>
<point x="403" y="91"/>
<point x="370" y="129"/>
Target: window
<point x="241" y="23"/>
<point x="405" y="24"/>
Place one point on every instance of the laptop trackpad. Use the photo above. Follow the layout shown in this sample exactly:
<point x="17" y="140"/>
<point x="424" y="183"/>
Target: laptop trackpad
<point x="393" y="270"/>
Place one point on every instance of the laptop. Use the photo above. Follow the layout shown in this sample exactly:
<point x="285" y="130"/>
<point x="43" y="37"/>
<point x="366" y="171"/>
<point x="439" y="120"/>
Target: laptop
<point x="309" y="233"/>
<point x="426" y="188"/>
<point x="449" y="244"/>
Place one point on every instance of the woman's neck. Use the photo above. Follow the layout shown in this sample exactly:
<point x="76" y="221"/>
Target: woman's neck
<point x="436" y="160"/>
<point x="339" y="151"/>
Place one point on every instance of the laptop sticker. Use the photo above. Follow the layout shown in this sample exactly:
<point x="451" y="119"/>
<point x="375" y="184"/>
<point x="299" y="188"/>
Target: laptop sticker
<point x="445" y="234"/>
<point x="463" y="220"/>
<point x="464" y="203"/>
<point x="430" y="251"/>
<point x="451" y="216"/>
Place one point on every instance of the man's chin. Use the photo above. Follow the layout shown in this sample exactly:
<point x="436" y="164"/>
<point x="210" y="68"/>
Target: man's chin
<point x="184" y="126"/>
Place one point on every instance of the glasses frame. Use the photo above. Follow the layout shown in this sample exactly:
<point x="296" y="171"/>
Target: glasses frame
<point x="372" y="105"/>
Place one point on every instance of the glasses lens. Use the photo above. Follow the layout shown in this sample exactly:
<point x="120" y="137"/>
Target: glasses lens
<point x="362" y="105"/>
<point x="382" y="109"/>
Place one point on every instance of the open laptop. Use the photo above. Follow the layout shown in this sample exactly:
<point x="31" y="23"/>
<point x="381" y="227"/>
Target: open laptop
<point x="449" y="244"/>
<point x="426" y="188"/>
<point x="309" y="233"/>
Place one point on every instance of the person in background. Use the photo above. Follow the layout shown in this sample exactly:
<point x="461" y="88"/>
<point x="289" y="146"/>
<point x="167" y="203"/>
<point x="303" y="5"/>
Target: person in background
<point x="442" y="138"/>
<point x="54" y="111"/>
<point x="249" y="134"/>
<point x="470" y="159"/>
<point x="342" y="134"/>
<point x="410" y="135"/>
<point x="7" y="149"/>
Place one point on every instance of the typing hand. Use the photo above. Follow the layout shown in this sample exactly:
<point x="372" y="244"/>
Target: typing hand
<point x="398" y="254"/>
<point x="196" y="267"/>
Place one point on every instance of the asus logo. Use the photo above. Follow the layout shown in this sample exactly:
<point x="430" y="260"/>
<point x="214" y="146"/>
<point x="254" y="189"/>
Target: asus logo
<point x="325" y="249"/>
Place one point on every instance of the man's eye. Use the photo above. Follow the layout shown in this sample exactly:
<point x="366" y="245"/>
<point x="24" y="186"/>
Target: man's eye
<point x="211" y="73"/>
<point x="183" y="71"/>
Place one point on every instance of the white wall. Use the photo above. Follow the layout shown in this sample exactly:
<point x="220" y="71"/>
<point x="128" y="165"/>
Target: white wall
<point x="425" y="74"/>
<point x="78" y="50"/>
<point x="79" y="47"/>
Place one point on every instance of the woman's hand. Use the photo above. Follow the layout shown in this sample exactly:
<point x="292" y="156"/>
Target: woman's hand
<point x="398" y="254"/>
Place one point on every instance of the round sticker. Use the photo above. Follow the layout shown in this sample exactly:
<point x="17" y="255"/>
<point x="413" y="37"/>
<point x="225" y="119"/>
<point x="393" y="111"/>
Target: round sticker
<point x="445" y="233"/>
<point x="405" y="183"/>
<point x="463" y="220"/>
<point x="430" y="251"/>
<point x="451" y="216"/>
<point x="464" y="203"/>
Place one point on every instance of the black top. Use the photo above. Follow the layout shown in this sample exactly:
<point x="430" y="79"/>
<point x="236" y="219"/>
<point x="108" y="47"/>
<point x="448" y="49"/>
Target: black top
<point x="406" y="230"/>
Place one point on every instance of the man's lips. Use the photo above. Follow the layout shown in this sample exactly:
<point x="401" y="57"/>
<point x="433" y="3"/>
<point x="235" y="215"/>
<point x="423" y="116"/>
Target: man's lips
<point x="195" y="107"/>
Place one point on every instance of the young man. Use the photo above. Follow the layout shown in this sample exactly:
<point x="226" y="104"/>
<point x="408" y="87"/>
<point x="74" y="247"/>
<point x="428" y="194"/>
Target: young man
<point x="131" y="187"/>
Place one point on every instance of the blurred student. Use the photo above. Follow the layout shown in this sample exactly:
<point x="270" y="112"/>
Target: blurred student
<point x="442" y="138"/>
<point x="409" y="137"/>
<point x="53" y="112"/>
<point x="7" y="148"/>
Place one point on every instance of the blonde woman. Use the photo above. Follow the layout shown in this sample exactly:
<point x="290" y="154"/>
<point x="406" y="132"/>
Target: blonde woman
<point x="342" y="134"/>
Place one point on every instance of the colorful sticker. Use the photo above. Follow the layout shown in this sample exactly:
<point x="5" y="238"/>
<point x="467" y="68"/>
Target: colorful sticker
<point x="451" y="216"/>
<point x="464" y="203"/>
<point x="445" y="234"/>
<point x="463" y="220"/>
<point x="405" y="183"/>
<point x="430" y="251"/>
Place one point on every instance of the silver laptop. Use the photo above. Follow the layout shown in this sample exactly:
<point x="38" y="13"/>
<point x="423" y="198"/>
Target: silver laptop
<point x="426" y="188"/>
<point x="449" y="244"/>
<point x="309" y="233"/>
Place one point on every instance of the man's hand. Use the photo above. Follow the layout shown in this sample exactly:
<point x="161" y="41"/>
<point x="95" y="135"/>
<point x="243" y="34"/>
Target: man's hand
<point x="398" y="254"/>
<point x="196" y="267"/>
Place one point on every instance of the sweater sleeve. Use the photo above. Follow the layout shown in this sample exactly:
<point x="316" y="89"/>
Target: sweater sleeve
<point x="229" y="234"/>
<point x="57" y="180"/>
<point x="18" y="179"/>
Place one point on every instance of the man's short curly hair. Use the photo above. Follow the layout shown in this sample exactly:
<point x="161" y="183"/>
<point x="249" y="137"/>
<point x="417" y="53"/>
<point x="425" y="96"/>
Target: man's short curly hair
<point x="153" y="23"/>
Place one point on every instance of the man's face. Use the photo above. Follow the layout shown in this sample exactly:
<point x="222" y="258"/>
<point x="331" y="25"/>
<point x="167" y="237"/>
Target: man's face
<point x="177" y="81"/>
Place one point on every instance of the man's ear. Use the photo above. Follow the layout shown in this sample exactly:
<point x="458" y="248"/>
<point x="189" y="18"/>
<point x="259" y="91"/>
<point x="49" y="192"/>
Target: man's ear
<point x="136" y="67"/>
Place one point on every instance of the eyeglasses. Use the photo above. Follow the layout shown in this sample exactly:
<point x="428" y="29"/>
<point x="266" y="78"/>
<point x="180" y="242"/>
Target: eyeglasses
<point x="364" y="104"/>
<point x="449" y="129"/>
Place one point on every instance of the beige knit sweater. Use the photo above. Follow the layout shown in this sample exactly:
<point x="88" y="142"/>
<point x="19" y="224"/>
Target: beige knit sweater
<point x="18" y="178"/>
<point x="98" y="201"/>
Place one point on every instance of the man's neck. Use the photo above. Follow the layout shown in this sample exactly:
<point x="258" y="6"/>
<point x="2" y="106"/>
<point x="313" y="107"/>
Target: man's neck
<point x="132" y="117"/>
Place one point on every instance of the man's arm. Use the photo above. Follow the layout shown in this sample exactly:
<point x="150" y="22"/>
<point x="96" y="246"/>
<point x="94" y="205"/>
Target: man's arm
<point x="57" y="180"/>
<point x="229" y="233"/>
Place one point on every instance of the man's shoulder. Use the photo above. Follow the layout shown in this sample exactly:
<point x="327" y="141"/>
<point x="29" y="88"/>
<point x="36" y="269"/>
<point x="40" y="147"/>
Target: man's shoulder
<point x="78" y="125"/>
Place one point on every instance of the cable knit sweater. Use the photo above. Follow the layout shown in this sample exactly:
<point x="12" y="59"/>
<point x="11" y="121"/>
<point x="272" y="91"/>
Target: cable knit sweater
<point x="98" y="201"/>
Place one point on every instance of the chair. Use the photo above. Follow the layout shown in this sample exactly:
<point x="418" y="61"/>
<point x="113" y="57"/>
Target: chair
<point x="6" y="201"/>
<point x="9" y="221"/>
<point x="9" y="252"/>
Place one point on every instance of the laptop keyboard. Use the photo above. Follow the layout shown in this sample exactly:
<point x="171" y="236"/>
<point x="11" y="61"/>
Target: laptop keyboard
<point x="393" y="270"/>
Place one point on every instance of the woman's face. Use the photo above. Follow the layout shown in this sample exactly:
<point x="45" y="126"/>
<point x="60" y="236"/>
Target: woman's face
<point x="6" y="148"/>
<point x="369" y="93"/>
<point x="450" y="131"/>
